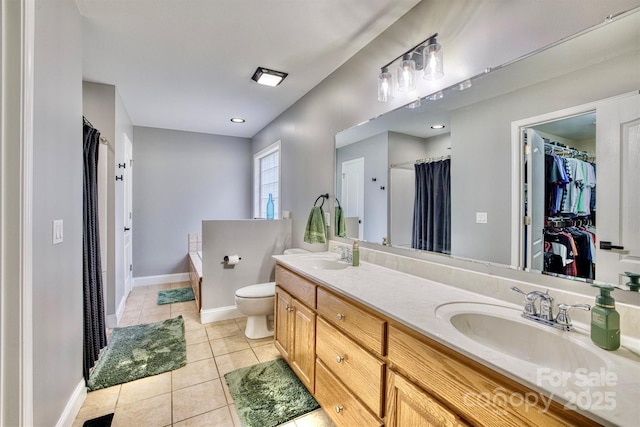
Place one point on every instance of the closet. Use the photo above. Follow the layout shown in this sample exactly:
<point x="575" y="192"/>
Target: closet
<point x="570" y="211"/>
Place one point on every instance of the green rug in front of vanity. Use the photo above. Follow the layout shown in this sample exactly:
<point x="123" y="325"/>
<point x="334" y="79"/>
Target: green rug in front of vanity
<point x="171" y="296"/>
<point x="268" y="394"/>
<point x="140" y="351"/>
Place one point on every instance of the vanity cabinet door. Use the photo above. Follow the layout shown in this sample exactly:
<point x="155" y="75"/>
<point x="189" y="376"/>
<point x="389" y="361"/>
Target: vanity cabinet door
<point x="282" y="322"/>
<point x="303" y="343"/>
<point x="407" y="405"/>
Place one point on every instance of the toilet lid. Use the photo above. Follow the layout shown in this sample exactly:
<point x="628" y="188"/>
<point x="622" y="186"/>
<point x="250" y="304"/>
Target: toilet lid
<point x="261" y="290"/>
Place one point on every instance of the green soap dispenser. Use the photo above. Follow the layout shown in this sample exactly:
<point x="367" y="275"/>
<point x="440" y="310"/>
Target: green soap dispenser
<point x="605" y="320"/>
<point x="355" y="254"/>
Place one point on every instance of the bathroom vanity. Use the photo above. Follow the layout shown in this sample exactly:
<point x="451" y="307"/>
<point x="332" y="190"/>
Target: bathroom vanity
<point x="377" y="347"/>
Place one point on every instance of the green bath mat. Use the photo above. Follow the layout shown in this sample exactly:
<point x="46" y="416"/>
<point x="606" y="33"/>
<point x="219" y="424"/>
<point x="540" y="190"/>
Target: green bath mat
<point x="140" y="351"/>
<point x="175" y="295"/>
<point x="268" y="394"/>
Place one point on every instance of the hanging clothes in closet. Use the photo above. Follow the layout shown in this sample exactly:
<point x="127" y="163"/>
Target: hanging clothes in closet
<point x="569" y="236"/>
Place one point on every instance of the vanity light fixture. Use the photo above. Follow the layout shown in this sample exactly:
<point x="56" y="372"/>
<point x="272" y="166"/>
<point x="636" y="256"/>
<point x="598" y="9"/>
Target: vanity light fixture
<point x="435" y="96"/>
<point x="237" y="120"/>
<point x="464" y="85"/>
<point x="426" y="55"/>
<point x="268" y="77"/>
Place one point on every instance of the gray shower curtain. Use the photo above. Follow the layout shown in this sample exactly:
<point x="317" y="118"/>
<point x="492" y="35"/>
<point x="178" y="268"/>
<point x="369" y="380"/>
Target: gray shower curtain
<point x="95" y="337"/>
<point x="432" y="207"/>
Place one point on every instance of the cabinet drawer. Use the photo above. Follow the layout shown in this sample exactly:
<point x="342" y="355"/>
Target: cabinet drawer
<point x="366" y="328"/>
<point x="360" y="371"/>
<point x="300" y="288"/>
<point x="339" y="403"/>
<point x="474" y="391"/>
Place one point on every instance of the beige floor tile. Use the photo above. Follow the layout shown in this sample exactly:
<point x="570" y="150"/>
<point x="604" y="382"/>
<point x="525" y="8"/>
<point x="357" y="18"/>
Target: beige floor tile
<point x="198" y="351"/>
<point x="198" y="399"/>
<point x="266" y="352"/>
<point x="152" y="412"/>
<point x="196" y="336"/>
<point x="145" y="388"/>
<point x="80" y="419"/>
<point x="234" y="416"/>
<point x="260" y="342"/>
<point x="227" y="393"/>
<point x="240" y="359"/>
<point x="228" y="345"/>
<point x="317" y="418"/>
<point x="289" y="424"/>
<point x="242" y="322"/>
<point x="156" y="288"/>
<point x="164" y="310"/>
<point x="99" y="401"/>
<point x="223" y="329"/>
<point x="218" y="418"/>
<point x="153" y="319"/>
<point x="129" y="320"/>
<point x="194" y="373"/>
<point x="184" y="307"/>
<point x="191" y="324"/>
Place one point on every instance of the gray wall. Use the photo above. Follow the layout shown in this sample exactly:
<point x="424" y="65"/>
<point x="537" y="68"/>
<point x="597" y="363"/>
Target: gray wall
<point x="348" y="96"/>
<point x="375" y="152"/>
<point x="57" y="194"/>
<point x="255" y="241"/>
<point x="179" y="179"/>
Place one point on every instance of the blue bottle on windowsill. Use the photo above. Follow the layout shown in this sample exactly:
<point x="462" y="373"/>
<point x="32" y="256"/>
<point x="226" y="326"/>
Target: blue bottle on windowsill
<point x="270" y="207"/>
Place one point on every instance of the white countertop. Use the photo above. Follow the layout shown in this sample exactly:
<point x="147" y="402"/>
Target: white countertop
<point x="609" y="395"/>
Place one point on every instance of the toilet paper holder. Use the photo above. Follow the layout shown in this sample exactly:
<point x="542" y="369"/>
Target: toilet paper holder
<point x="226" y="258"/>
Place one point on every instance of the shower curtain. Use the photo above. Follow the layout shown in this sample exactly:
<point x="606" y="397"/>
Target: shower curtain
<point x="95" y="337"/>
<point x="432" y="207"/>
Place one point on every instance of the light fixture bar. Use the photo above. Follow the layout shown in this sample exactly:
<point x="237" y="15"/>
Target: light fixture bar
<point x="410" y="50"/>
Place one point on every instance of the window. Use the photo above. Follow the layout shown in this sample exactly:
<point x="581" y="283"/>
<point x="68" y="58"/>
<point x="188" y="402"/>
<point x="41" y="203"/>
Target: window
<point x="266" y="167"/>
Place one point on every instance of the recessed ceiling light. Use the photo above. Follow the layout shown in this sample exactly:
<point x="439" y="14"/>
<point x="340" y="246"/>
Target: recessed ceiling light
<point x="268" y="77"/>
<point x="237" y="120"/>
<point x="437" y="127"/>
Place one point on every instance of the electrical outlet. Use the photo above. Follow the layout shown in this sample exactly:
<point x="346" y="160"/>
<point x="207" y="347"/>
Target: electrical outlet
<point x="327" y="218"/>
<point x="481" y="217"/>
<point x="58" y="231"/>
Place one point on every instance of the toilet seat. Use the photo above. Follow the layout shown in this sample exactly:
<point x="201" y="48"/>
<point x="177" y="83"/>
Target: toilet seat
<point x="261" y="290"/>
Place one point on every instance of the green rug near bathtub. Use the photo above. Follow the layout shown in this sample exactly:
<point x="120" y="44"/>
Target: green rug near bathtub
<point x="140" y="351"/>
<point x="175" y="295"/>
<point x="268" y="394"/>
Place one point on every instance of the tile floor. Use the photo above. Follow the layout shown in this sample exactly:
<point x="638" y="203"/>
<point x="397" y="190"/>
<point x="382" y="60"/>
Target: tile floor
<point x="196" y="394"/>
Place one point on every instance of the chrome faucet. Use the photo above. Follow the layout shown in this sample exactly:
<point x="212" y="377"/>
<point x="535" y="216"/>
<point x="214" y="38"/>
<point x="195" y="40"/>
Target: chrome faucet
<point x="545" y="314"/>
<point x="345" y="254"/>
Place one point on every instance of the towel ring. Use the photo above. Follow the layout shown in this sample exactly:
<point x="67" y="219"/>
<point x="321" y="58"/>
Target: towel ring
<point x="322" y="196"/>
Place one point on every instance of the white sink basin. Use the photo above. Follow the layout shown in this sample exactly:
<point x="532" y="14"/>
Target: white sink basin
<point x="502" y="328"/>
<point x="324" y="264"/>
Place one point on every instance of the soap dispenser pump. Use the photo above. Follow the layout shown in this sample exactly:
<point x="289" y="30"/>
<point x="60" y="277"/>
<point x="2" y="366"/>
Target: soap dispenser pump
<point x="605" y="320"/>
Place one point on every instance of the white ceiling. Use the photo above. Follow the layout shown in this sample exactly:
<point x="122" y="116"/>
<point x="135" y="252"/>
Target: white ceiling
<point x="187" y="64"/>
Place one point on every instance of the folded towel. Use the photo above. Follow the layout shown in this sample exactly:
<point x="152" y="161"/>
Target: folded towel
<point x="340" y="225"/>
<point x="316" y="231"/>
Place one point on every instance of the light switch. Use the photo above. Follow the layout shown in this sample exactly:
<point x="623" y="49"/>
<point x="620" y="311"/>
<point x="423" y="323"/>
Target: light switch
<point x="481" y="217"/>
<point x="58" y="231"/>
<point x="327" y="218"/>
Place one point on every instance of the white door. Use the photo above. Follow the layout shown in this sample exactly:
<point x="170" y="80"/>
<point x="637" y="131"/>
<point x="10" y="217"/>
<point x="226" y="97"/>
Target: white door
<point x="402" y="191"/>
<point x="127" y="173"/>
<point x="618" y="188"/>
<point x="352" y="198"/>
<point x="535" y="201"/>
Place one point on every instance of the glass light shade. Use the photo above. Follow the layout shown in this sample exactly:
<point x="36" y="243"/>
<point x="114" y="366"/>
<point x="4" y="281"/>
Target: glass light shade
<point x="407" y="74"/>
<point x="433" y="68"/>
<point x="385" y="85"/>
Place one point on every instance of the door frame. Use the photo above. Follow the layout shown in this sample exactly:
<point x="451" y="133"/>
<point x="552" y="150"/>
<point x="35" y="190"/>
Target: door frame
<point x="517" y="168"/>
<point x="16" y="207"/>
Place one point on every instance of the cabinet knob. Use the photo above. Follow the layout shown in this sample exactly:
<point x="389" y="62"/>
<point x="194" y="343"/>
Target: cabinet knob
<point x="289" y="309"/>
<point x="339" y="359"/>
<point x="340" y="316"/>
<point x="339" y="409"/>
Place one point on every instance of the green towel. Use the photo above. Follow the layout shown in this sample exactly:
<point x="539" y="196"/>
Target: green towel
<point x="340" y="225"/>
<point x="316" y="231"/>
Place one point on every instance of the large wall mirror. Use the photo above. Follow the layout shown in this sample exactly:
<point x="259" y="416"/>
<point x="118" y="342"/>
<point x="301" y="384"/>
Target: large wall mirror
<point x="573" y="100"/>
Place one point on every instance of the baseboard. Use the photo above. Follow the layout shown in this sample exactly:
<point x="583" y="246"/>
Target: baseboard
<point x="160" y="279"/>
<point x="73" y="406"/>
<point x="220" y="313"/>
<point x="114" y="319"/>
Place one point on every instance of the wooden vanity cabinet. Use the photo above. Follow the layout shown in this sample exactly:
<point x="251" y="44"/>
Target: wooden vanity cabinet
<point x="295" y="324"/>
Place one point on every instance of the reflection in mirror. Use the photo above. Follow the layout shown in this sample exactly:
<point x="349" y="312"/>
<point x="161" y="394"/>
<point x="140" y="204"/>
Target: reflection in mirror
<point x="484" y="119"/>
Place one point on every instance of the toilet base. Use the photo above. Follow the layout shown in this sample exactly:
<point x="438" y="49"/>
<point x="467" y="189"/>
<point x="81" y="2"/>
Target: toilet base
<point x="258" y="327"/>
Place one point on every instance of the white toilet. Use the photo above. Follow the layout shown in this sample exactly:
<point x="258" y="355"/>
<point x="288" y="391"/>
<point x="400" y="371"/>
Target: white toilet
<point x="257" y="303"/>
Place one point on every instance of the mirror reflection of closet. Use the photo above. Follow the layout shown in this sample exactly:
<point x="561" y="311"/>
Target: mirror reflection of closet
<point x="560" y="235"/>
